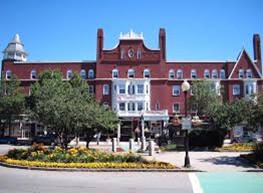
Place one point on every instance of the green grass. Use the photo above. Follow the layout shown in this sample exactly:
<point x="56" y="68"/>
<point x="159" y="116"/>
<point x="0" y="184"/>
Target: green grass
<point x="169" y="147"/>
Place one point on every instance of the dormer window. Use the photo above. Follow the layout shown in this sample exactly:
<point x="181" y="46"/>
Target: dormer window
<point x="131" y="73"/>
<point x="241" y="73"/>
<point x="171" y="74"/>
<point x="122" y="53"/>
<point x="193" y="74"/>
<point x="222" y="74"/>
<point x="139" y="54"/>
<point x="91" y="74"/>
<point x="179" y="74"/>
<point x="115" y="73"/>
<point x="69" y="74"/>
<point x="146" y="73"/>
<point x="214" y="74"/>
<point x="8" y="74"/>
<point x="83" y="74"/>
<point x="33" y="74"/>
<point x="206" y="74"/>
<point x="249" y="73"/>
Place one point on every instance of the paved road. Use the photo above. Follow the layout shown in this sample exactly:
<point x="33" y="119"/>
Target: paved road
<point x="29" y="181"/>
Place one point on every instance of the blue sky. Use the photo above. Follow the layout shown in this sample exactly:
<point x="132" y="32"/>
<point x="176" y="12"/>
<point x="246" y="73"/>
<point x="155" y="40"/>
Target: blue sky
<point x="195" y="30"/>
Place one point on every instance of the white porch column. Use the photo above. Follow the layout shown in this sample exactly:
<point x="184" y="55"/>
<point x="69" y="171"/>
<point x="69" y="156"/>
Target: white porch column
<point x="119" y="132"/>
<point x="143" y="147"/>
<point x="21" y="129"/>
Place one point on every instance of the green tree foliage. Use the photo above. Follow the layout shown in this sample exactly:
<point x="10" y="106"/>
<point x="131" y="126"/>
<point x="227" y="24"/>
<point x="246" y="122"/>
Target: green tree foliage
<point x="12" y="103"/>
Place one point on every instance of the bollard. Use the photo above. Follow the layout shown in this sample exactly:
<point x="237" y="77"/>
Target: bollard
<point x="143" y="147"/>
<point x="131" y="144"/>
<point x="118" y="141"/>
<point x="114" y="145"/>
<point x="151" y="148"/>
<point x="138" y="141"/>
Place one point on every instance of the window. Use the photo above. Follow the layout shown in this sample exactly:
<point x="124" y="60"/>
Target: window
<point x="115" y="73"/>
<point x="90" y="89"/>
<point x="236" y="89"/>
<point x="250" y="89"/>
<point x="91" y="74"/>
<point x="241" y="73"/>
<point x="176" y="107"/>
<point x="249" y="73"/>
<point x="131" y="106"/>
<point x="122" y="106"/>
<point x="214" y="74"/>
<point x="122" y="89"/>
<point x="222" y="74"/>
<point x="171" y="74"/>
<point x="157" y="106"/>
<point x="83" y="74"/>
<point x="146" y="73"/>
<point x="33" y="74"/>
<point x="147" y="89"/>
<point x="131" y="89"/>
<point x="139" y="54"/>
<point x="194" y="108"/>
<point x="69" y="74"/>
<point x="140" y="106"/>
<point x="179" y="74"/>
<point x="8" y="74"/>
<point x="106" y="89"/>
<point x="193" y="74"/>
<point x="131" y="73"/>
<point x="176" y="90"/>
<point x="140" y="89"/>
<point x="122" y="53"/>
<point x="206" y="74"/>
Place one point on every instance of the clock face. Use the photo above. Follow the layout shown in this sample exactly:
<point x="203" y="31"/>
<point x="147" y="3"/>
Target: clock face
<point x="130" y="53"/>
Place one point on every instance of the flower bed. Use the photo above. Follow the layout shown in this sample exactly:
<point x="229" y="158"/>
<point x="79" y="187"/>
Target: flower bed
<point x="237" y="147"/>
<point x="40" y="156"/>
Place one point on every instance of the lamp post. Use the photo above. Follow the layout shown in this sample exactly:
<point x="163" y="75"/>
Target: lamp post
<point x="185" y="88"/>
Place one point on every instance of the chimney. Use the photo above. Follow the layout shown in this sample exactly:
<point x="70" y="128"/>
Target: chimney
<point x="257" y="52"/>
<point x="162" y="43"/>
<point x="99" y="43"/>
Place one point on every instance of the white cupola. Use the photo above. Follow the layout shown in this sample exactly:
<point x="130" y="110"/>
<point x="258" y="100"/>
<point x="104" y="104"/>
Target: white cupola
<point x="15" y="50"/>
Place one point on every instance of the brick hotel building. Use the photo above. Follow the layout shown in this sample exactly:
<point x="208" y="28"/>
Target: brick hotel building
<point x="138" y="82"/>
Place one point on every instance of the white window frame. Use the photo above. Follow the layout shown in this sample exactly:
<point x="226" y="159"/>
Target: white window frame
<point x="206" y="73"/>
<point x="82" y="73"/>
<point x="176" y="90"/>
<point x="193" y="73"/>
<point x="176" y="111"/>
<point x="69" y="74"/>
<point x="140" y="89"/>
<point x="131" y="73"/>
<point x="179" y="74"/>
<point x="91" y="89"/>
<point x="140" y="104"/>
<point x="236" y="90"/>
<point x="214" y="74"/>
<point x="146" y="73"/>
<point x="249" y="73"/>
<point x="119" y="106"/>
<point x="115" y="72"/>
<point x="131" y="89"/>
<point x="222" y="74"/>
<point x="8" y="74"/>
<point x="35" y="74"/>
<point x="122" y="87"/>
<point x="139" y="54"/>
<point x="240" y="73"/>
<point x="91" y="74"/>
<point x="106" y="89"/>
<point x="171" y="74"/>
<point x="131" y="106"/>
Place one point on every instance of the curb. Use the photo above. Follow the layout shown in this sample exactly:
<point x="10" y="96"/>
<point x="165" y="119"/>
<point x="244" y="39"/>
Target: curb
<point x="96" y="169"/>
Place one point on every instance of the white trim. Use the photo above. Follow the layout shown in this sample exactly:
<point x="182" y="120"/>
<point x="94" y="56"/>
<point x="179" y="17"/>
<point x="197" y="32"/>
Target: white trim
<point x="196" y="186"/>
<point x="240" y="55"/>
<point x="50" y="61"/>
<point x="200" y="61"/>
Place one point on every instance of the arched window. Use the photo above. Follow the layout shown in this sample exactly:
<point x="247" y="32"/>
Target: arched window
<point x="171" y="74"/>
<point x="214" y="74"/>
<point x="193" y="74"/>
<point x="206" y="73"/>
<point x="69" y="74"/>
<point x="131" y="73"/>
<point x="249" y="73"/>
<point x="33" y="74"/>
<point x="241" y="73"/>
<point x="139" y="54"/>
<point x="83" y="74"/>
<point x="106" y="89"/>
<point x="91" y="74"/>
<point x="179" y="74"/>
<point x="122" y="53"/>
<point x="8" y="74"/>
<point x="222" y="74"/>
<point x="146" y="73"/>
<point x="115" y="73"/>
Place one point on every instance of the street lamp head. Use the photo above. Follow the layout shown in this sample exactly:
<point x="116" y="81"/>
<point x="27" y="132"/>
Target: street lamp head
<point x="185" y="86"/>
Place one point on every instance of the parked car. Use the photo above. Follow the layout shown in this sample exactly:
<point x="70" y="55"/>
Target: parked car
<point x="8" y="140"/>
<point x="245" y="139"/>
<point x="45" y="139"/>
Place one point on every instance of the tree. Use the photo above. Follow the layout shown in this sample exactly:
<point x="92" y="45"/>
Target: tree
<point x="12" y="103"/>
